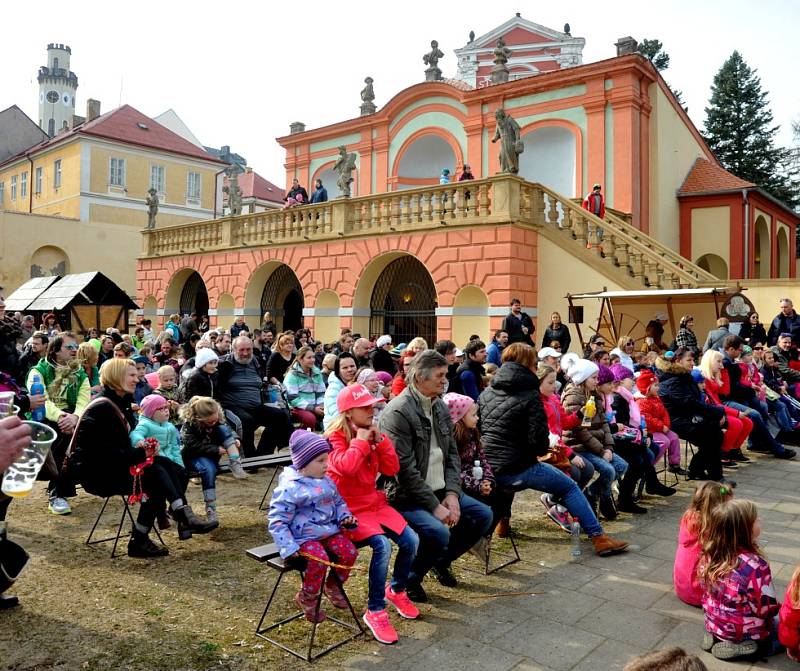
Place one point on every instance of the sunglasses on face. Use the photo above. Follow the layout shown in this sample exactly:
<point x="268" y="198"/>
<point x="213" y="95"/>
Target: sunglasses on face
<point x="72" y="346"/>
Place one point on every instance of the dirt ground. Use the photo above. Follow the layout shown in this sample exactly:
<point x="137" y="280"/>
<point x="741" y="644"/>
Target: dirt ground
<point x="197" y="608"/>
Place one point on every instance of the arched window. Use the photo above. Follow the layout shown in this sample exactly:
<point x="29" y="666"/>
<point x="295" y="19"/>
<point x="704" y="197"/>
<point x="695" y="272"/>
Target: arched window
<point x="403" y="303"/>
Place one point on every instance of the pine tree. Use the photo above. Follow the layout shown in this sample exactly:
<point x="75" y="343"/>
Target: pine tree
<point x="739" y="129"/>
<point x="653" y="50"/>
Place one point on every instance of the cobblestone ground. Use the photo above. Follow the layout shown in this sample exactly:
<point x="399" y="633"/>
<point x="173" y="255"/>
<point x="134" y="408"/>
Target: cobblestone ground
<point x="595" y="613"/>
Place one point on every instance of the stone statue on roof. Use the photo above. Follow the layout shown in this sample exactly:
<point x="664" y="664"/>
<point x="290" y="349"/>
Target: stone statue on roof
<point x="500" y="69"/>
<point x="152" y="207"/>
<point x="431" y="59"/>
<point x="344" y="166"/>
<point x="234" y="192"/>
<point x="368" y="98"/>
<point x="511" y="145"/>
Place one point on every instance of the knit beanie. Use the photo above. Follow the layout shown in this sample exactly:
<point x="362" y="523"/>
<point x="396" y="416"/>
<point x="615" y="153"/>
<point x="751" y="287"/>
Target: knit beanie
<point x="140" y="359"/>
<point x="384" y="377"/>
<point x="576" y="369"/>
<point x="697" y="376"/>
<point x="604" y="374"/>
<point x="621" y="372"/>
<point x="458" y="404"/>
<point x="645" y="380"/>
<point x="204" y="356"/>
<point x="151" y="403"/>
<point x="306" y="446"/>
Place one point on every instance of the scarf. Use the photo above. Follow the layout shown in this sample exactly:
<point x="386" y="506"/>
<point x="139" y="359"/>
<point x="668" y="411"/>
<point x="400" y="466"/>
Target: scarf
<point x="636" y="415"/>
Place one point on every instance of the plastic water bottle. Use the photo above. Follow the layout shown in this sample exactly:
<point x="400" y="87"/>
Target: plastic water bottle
<point x="477" y="470"/>
<point x="575" y="533"/>
<point x="37" y="388"/>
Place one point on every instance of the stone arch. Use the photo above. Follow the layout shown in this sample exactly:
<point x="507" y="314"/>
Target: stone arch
<point x="226" y="310"/>
<point x="714" y="264"/>
<point x="49" y="260"/>
<point x="150" y="306"/>
<point x="782" y="252"/>
<point x="553" y="156"/>
<point x="329" y="178"/>
<point x="186" y="293"/>
<point x="422" y="156"/>
<point x="470" y="314"/>
<point x="326" y="316"/>
<point x="762" y="261"/>
<point x="274" y="287"/>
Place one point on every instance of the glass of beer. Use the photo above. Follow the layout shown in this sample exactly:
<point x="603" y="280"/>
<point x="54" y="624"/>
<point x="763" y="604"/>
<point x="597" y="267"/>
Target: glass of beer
<point x="19" y="478"/>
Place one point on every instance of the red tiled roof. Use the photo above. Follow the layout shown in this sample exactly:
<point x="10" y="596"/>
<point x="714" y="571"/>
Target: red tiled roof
<point x="705" y="177"/>
<point x="254" y="185"/>
<point x="123" y="125"/>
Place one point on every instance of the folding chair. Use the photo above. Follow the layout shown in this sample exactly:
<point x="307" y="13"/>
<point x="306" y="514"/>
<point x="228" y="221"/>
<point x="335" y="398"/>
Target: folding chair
<point x="270" y="555"/>
<point x="125" y="511"/>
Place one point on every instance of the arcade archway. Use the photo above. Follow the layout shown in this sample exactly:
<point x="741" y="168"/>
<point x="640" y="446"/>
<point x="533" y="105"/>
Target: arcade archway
<point x="714" y="264"/>
<point x="421" y="163"/>
<point x="283" y="297"/>
<point x="762" y="260"/>
<point x="194" y="296"/>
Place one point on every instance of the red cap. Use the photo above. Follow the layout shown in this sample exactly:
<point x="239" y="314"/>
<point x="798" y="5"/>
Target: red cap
<point x="355" y="396"/>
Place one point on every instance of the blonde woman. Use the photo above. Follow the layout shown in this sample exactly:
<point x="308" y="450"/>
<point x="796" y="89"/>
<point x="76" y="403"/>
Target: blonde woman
<point x="88" y="357"/>
<point x="418" y="345"/>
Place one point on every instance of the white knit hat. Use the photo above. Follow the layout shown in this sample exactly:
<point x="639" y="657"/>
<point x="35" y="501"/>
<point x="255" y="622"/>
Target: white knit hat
<point x="204" y="356"/>
<point x="383" y="341"/>
<point x="576" y="369"/>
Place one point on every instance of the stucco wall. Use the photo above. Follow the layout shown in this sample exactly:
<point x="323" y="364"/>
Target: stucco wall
<point x="711" y="232"/>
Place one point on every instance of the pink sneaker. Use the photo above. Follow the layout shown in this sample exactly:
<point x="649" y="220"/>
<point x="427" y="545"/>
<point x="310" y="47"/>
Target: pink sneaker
<point x="561" y="517"/>
<point x="381" y="628"/>
<point x="402" y="603"/>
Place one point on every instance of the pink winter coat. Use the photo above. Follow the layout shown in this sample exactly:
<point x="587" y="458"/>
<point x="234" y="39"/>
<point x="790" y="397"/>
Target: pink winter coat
<point x="684" y="574"/>
<point x="354" y="468"/>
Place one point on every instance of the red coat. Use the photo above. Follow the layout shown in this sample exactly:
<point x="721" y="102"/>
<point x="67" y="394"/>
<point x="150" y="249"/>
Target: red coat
<point x="589" y="204"/>
<point x="354" y="468"/>
<point x="559" y="420"/>
<point x="654" y="413"/>
<point x="789" y="625"/>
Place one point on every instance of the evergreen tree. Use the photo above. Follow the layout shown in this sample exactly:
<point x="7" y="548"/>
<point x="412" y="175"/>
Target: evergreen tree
<point x="653" y="50"/>
<point x="739" y="129"/>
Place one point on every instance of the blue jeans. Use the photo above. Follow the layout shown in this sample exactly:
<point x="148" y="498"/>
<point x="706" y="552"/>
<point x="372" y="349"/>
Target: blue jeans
<point x="207" y="468"/>
<point x="760" y="435"/>
<point x="440" y="545"/>
<point x="782" y="416"/>
<point x="547" y="478"/>
<point x="407" y="544"/>
<point x="608" y="471"/>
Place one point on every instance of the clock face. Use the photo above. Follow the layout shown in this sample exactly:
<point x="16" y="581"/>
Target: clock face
<point x="52" y="96"/>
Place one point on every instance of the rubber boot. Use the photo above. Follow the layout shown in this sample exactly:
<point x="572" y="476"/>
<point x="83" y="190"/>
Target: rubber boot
<point x="189" y="523"/>
<point x="654" y="486"/>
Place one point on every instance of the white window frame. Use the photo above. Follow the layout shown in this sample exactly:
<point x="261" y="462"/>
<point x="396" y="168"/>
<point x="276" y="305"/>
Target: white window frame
<point x="117" y="174"/>
<point x="57" y="173"/>
<point x="194" y="193"/>
<point x="23" y="185"/>
<point x="37" y="180"/>
<point x="159" y="184"/>
<point x="13" y="187"/>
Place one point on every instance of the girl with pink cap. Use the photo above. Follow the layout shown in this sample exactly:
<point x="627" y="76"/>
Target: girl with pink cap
<point x="360" y="454"/>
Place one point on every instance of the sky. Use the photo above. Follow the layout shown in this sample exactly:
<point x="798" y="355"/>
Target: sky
<point x="238" y="74"/>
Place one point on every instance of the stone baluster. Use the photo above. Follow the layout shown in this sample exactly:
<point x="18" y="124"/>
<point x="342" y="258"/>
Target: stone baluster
<point x="578" y="228"/>
<point x="610" y="247"/>
<point x="395" y="212"/>
<point x="405" y="208"/>
<point x="427" y="206"/>
<point x="415" y="206"/>
<point x="482" y="200"/>
<point x="592" y="239"/>
<point x="637" y="267"/>
<point x="553" y="213"/>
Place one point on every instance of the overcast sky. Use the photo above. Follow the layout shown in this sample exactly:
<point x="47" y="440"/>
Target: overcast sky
<point x="238" y="73"/>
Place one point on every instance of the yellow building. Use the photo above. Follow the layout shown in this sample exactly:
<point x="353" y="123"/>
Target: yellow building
<point x="99" y="174"/>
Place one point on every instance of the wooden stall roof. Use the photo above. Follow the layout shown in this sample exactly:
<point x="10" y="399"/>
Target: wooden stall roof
<point x="656" y="295"/>
<point x="82" y="289"/>
<point x="21" y="299"/>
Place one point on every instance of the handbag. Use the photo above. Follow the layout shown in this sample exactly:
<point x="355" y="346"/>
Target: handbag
<point x="13" y="559"/>
<point x="557" y="457"/>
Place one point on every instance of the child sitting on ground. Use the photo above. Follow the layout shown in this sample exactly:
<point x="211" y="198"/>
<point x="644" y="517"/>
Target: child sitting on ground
<point x="657" y="421"/>
<point x="306" y="517"/>
<point x="739" y="601"/>
<point x="206" y="438"/>
<point x="789" y="618"/>
<point x="168" y="388"/>
<point x="360" y="454"/>
<point x="694" y="527"/>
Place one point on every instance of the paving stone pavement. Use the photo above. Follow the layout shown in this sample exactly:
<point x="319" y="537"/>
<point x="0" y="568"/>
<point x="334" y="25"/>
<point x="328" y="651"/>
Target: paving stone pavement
<point x="592" y="613"/>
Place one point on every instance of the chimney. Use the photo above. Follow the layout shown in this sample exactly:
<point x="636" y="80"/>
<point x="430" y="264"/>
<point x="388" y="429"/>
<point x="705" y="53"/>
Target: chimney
<point x="296" y="127"/>
<point x="92" y="109"/>
<point x="248" y="169"/>
<point x="626" y="45"/>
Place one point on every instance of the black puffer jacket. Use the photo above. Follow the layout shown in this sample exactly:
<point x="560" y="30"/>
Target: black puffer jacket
<point x="199" y="383"/>
<point x="513" y="423"/>
<point x="682" y="398"/>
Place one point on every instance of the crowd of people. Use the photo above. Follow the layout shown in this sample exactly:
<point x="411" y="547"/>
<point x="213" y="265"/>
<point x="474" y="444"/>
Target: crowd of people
<point x="424" y="446"/>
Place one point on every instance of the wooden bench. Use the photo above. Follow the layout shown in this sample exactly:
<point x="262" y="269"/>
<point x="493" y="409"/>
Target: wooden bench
<point x="270" y="555"/>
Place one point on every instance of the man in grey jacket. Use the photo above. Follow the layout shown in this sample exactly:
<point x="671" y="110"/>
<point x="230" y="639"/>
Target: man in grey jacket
<point x="716" y="337"/>
<point x="427" y="489"/>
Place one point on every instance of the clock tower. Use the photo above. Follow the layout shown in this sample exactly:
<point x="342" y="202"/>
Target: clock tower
<point x="57" y="87"/>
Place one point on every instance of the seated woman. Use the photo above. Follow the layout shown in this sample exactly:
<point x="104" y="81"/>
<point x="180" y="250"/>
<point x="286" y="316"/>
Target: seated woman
<point x="344" y="372"/>
<point x="691" y="418"/>
<point x="514" y="432"/>
<point x="102" y="456"/>
<point x="305" y="389"/>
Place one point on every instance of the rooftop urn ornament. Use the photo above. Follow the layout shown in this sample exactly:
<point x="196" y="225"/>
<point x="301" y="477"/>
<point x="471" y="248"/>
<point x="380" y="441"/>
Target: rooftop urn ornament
<point x="344" y="166"/>
<point x="152" y="207"/>
<point x="471" y="36"/>
<point x="500" y="69"/>
<point x="433" y="73"/>
<point x="567" y="30"/>
<point x="234" y="192"/>
<point x="367" y="98"/>
<point x="511" y="145"/>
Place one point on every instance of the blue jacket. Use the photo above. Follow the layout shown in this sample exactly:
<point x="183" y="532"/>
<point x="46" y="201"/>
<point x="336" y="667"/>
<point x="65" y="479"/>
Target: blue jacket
<point x="166" y="435"/>
<point x="494" y="353"/>
<point x="320" y="195"/>
<point x="304" y="509"/>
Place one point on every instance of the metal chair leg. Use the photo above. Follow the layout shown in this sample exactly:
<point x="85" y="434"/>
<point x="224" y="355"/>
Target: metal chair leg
<point x="269" y="485"/>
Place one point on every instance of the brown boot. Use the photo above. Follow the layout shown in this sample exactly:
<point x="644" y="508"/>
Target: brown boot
<point x="605" y="545"/>
<point x="503" y="529"/>
<point x="308" y="604"/>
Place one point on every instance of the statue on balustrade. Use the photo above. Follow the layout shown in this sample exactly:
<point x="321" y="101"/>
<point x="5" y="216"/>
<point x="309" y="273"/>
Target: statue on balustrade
<point x="431" y="59"/>
<point x="368" y="98"/>
<point x="511" y="145"/>
<point x="234" y="193"/>
<point x="344" y="167"/>
<point x="152" y="207"/>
